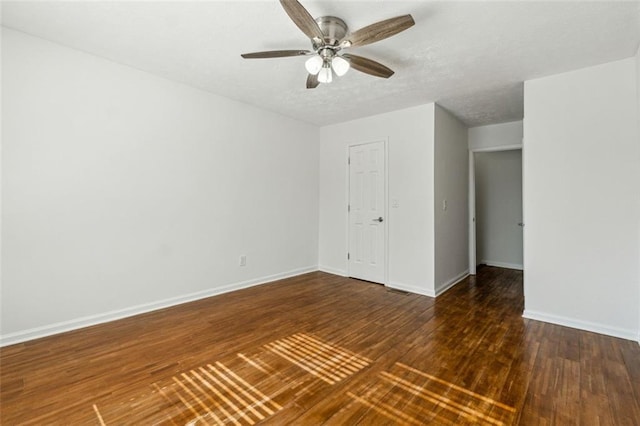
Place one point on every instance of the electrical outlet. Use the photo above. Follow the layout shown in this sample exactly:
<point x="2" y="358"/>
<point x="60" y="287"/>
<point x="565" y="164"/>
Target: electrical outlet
<point x="243" y="260"/>
<point x="444" y="205"/>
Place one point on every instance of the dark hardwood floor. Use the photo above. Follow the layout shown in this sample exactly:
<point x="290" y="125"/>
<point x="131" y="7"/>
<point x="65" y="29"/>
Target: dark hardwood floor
<point x="322" y="349"/>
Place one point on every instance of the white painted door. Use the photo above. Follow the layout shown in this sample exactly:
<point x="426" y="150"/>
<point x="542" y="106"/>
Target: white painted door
<point x="366" y="210"/>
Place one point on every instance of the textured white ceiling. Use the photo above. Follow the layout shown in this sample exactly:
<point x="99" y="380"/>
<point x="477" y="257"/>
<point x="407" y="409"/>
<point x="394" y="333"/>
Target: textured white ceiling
<point x="471" y="57"/>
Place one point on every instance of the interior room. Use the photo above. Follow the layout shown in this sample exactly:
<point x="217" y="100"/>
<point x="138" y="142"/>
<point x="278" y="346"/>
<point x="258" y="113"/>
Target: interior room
<point x="320" y="212"/>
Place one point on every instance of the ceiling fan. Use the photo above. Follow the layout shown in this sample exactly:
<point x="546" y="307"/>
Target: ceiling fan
<point x="329" y="35"/>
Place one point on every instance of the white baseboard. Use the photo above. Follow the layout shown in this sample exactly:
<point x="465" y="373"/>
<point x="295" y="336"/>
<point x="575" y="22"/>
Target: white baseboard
<point x="582" y="325"/>
<point x="503" y="264"/>
<point x="453" y="281"/>
<point x="61" y="327"/>
<point x="330" y="270"/>
<point x="411" y="289"/>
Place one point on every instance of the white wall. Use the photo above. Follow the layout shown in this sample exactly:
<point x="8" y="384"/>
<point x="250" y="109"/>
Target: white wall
<point x="582" y="185"/>
<point x="499" y="208"/>
<point x="123" y="191"/>
<point x="1" y="185"/>
<point x="638" y="99"/>
<point x="451" y="185"/>
<point x="495" y="136"/>
<point x="410" y="169"/>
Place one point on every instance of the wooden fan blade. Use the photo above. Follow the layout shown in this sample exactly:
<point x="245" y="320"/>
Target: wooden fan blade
<point x="275" y="54"/>
<point x="302" y="18"/>
<point x="312" y="81"/>
<point x="380" y="30"/>
<point x="368" y="66"/>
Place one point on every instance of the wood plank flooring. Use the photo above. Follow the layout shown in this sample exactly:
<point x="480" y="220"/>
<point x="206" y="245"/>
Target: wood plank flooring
<point x="321" y="349"/>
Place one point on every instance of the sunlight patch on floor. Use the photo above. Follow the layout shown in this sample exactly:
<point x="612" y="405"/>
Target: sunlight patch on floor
<point x="328" y="362"/>
<point x="410" y="396"/>
<point x="216" y="394"/>
<point x="98" y="415"/>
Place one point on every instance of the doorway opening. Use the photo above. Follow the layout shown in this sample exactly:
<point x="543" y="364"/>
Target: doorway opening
<point x="496" y="223"/>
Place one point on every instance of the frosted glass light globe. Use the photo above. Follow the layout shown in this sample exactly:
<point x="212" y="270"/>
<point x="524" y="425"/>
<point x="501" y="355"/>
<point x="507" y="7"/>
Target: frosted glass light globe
<point x="325" y="75"/>
<point x="314" y="64"/>
<point x="340" y="65"/>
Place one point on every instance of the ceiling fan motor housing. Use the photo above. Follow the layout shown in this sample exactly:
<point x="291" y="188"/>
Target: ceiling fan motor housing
<point x="334" y="30"/>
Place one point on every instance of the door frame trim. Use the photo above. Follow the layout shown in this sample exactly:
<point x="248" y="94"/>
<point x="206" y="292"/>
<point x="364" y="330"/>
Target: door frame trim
<point x="472" y="198"/>
<point x="385" y="144"/>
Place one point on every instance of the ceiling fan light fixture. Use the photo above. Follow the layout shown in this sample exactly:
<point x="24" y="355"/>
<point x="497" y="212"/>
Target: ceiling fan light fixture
<point x="325" y="75"/>
<point x="328" y="36"/>
<point x="314" y="64"/>
<point x="340" y="65"/>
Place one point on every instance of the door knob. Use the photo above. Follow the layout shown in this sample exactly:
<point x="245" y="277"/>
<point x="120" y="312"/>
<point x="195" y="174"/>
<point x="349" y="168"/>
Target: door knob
<point x="380" y="219"/>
